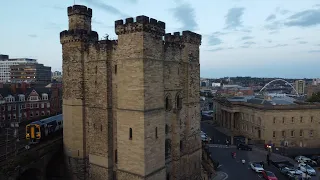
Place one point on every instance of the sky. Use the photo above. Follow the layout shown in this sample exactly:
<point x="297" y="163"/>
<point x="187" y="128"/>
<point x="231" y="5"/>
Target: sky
<point x="261" y="38"/>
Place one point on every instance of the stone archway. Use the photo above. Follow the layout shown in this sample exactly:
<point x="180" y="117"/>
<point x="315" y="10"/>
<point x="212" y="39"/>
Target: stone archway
<point x="32" y="173"/>
<point x="56" y="167"/>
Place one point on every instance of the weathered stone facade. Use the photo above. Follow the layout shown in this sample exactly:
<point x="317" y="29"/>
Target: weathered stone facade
<point x="124" y="99"/>
<point x="296" y="125"/>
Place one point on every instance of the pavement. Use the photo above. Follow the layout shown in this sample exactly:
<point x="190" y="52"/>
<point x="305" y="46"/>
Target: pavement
<point x="233" y="169"/>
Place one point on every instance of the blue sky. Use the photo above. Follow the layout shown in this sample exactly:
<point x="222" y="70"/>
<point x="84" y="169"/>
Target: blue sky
<point x="266" y="38"/>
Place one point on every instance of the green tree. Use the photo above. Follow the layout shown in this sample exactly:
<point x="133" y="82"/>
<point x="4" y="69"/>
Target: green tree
<point x="315" y="97"/>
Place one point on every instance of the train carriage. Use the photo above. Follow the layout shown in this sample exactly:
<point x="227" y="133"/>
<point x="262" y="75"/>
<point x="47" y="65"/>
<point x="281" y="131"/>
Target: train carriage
<point x="39" y="130"/>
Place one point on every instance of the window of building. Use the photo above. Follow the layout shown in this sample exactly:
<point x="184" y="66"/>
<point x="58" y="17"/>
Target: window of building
<point x="3" y="108"/>
<point x="283" y="134"/>
<point x="181" y="146"/>
<point x="115" y="69"/>
<point x="283" y="119"/>
<point x="14" y="116"/>
<point x="31" y="106"/>
<point x="35" y="105"/>
<point x="116" y="156"/>
<point x="9" y="116"/>
<point x="311" y="118"/>
<point x="9" y="108"/>
<point x="167" y="129"/>
<point x="311" y="133"/>
<point x="13" y="107"/>
<point x="37" y="113"/>
<point x="274" y="120"/>
<point x="292" y="133"/>
<point x="274" y="134"/>
<point x="42" y="113"/>
<point x="31" y="114"/>
<point x="130" y="133"/>
<point x="301" y="119"/>
<point x="156" y="131"/>
<point x="179" y="101"/>
<point x="42" y="105"/>
<point x="168" y="103"/>
<point x="301" y="132"/>
<point x="167" y="148"/>
<point x="292" y="119"/>
<point x="48" y="113"/>
<point x="48" y="105"/>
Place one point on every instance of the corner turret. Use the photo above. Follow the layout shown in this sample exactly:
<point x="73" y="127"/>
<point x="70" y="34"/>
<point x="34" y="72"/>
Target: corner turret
<point x="79" y="17"/>
<point x="191" y="37"/>
<point x="142" y="24"/>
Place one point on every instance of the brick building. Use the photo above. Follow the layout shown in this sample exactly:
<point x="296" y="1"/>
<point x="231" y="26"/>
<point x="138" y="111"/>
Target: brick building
<point x="131" y="106"/>
<point x="26" y="104"/>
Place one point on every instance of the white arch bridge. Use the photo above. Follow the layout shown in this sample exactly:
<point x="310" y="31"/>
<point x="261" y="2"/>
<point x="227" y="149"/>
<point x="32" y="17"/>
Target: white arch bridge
<point x="265" y="86"/>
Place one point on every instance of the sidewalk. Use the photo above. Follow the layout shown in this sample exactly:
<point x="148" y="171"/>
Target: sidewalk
<point x="220" y="176"/>
<point x="275" y="156"/>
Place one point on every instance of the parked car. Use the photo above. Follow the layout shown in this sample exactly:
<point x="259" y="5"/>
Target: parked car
<point x="293" y="172"/>
<point x="255" y="166"/>
<point x="244" y="147"/>
<point x="205" y="137"/>
<point x="269" y="175"/>
<point x="307" y="169"/>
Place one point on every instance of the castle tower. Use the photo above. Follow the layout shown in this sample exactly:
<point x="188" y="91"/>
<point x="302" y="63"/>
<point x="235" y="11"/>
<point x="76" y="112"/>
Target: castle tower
<point x="140" y="102"/>
<point x="74" y="49"/>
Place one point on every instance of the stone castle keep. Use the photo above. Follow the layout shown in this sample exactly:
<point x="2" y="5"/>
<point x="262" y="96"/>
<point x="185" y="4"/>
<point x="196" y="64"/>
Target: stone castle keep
<point x="131" y="106"/>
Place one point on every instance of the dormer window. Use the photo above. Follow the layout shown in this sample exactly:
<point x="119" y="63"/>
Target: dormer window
<point x="10" y="98"/>
<point x="33" y="98"/>
<point x="21" y="97"/>
<point x="44" y="96"/>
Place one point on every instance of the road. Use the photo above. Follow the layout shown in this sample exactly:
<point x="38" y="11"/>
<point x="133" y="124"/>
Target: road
<point x="233" y="167"/>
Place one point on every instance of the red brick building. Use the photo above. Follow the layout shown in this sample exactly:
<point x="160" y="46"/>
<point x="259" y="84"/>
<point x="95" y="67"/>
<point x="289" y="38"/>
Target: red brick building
<point x="25" y="103"/>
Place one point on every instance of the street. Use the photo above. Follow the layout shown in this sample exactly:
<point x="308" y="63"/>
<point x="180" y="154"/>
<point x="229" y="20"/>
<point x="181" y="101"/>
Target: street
<point x="233" y="167"/>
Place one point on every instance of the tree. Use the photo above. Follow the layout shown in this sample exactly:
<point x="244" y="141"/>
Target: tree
<point x="315" y="97"/>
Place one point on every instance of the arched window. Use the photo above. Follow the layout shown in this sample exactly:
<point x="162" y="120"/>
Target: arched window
<point x="167" y="129"/>
<point x="179" y="101"/>
<point x="130" y="133"/>
<point x="168" y="102"/>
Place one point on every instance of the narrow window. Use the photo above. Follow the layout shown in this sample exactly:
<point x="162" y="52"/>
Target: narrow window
<point x="96" y="69"/>
<point x="311" y="133"/>
<point x="116" y="156"/>
<point x="130" y="133"/>
<point x="292" y="119"/>
<point x="181" y="146"/>
<point x="274" y="120"/>
<point x="101" y="127"/>
<point x="283" y="120"/>
<point x="292" y="133"/>
<point x="301" y="133"/>
<point x="179" y="102"/>
<point x="78" y="153"/>
<point x="156" y="132"/>
<point x="167" y="103"/>
<point x="311" y="119"/>
<point x="301" y="119"/>
<point x="115" y="69"/>
<point x="274" y="134"/>
<point x="167" y="129"/>
<point x="283" y="133"/>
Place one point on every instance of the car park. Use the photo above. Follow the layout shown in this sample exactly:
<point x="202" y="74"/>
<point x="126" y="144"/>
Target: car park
<point x="307" y="169"/>
<point x="256" y="166"/>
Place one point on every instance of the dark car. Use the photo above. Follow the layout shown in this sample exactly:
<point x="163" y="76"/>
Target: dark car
<point x="244" y="147"/>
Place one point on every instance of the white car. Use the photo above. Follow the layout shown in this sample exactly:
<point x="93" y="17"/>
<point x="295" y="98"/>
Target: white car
<point x="307" y="169"/>
<point x="256" y="167"/>
<point x="300" y="159"/>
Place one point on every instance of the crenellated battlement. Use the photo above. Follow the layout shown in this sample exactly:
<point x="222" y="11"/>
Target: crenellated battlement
<point x="76" y="35"/>
<point x="79" y="9"/>
<point x="191" y="37"/>
<point x="142" y="23"/>
<point x="186" y="37"/>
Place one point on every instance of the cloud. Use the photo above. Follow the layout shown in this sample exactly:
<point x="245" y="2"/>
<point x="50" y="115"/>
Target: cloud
<point x="275" y="46"/>
<point x="305" y="18"/>
<point x="233" y="18"/>
<point x="220" y="49"/>
<point x="246" y="37"/>
<point x="314" y="51"/>
<point x="275" y="25"/>
<point x="297" y="38"/>
<point x="281" y="11"/>
<point x="302" y="42"/>
<point x="244" y="46"/>
<point x="33" y="35"/>
<point x="249" y="43"/>
<point x="316" y="5"/>
<point x="185" y="14"/>
<point x="273" y="32"/>
<point x="214" y="40"/>
<point x="269" y="40"/>
<point x="219" y="33"/>
<point x="107" y="8"/>
<point x="271" y="17"/>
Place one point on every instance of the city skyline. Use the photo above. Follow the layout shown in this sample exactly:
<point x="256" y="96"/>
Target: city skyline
<point x="240" y="38"/>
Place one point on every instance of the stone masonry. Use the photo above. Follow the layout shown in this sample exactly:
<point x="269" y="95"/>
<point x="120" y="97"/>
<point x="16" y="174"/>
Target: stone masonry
<point x="131" y="106"/>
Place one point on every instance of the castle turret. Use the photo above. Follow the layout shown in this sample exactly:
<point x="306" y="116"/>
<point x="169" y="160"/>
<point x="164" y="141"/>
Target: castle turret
<point x="140" y="102"/>
<point x="75" y="43"/>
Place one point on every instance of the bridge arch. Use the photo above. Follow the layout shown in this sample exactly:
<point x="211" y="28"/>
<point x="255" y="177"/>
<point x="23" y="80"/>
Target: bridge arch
<point x="265" y="86"/>
<point x="56" y="167"/>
